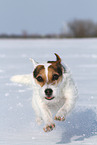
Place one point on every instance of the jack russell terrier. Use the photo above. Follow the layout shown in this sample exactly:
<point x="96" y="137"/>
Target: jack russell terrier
<point x="54" y="91"/>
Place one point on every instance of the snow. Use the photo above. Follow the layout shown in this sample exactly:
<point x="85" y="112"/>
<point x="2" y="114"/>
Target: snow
<point x="17" y="119"/>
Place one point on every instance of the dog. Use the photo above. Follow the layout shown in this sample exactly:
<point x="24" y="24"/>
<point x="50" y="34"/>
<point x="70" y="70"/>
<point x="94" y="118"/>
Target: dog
<point x="54" y="91"/>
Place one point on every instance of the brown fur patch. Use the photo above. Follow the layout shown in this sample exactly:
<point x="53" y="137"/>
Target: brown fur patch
<point x="39" y="75"/>
<point x="54" y="73"/>
<point x="55" y="70"/>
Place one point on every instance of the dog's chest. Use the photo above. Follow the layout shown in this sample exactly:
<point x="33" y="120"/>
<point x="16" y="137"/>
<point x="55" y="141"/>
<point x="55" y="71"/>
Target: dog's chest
<point x="56" y="104"/>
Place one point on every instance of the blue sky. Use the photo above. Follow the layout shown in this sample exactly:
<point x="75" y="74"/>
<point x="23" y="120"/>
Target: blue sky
<point x="43" y="16"/>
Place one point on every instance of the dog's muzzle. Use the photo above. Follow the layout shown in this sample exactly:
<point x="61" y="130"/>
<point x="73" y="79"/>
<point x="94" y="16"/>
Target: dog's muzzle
<point x="49" y="93"/>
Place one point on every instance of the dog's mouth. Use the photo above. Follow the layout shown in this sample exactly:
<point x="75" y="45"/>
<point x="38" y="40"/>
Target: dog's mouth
<point x="49" y="98"/>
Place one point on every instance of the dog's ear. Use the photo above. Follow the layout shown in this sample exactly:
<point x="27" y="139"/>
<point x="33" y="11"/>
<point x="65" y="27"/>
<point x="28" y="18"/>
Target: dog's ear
<point x="34" y="62"/>
<point x="58" y="59"/>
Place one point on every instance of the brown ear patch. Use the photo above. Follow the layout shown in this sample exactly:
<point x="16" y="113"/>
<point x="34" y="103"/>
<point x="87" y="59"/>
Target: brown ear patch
<point x="58" y="59"/>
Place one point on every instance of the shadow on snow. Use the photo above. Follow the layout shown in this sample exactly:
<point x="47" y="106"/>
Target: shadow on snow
<point x="83" y="125"/>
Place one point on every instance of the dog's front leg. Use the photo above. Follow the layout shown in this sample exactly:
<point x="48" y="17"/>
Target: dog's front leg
<point x="46" y="116"/>
<point x="65" y="109"/>
<point x="70" y="95"/>
<point x="37" y="110"/>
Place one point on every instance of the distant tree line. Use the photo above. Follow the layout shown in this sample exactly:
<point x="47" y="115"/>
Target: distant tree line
<point x="73" y="29"/>
<point x="82" y="28"/>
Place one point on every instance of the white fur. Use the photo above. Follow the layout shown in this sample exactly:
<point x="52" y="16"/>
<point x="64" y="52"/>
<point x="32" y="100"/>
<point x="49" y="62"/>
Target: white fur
<point x="23" y="79"/>
<point x="65" y="96"/>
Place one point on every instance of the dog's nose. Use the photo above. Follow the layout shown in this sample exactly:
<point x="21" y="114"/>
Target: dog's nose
<point x="48" y="92"/>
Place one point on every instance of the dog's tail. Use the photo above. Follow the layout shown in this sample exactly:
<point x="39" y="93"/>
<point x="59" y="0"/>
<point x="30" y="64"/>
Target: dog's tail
<point x="22" y="79"/>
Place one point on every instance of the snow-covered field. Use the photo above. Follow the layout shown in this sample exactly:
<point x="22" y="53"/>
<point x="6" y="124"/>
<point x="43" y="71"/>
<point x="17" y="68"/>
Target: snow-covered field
<point x="17" y="119"/>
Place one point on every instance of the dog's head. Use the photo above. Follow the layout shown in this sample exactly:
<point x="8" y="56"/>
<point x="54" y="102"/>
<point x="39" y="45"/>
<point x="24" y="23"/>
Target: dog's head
<point x="48" y="77"/>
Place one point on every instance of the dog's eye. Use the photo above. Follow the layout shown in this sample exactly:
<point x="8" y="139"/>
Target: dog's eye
<point x="39" y="78"/>
<point x="55" y="77"/>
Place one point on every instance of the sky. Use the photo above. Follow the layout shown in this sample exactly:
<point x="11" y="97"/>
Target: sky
<point x="43" y="16"/>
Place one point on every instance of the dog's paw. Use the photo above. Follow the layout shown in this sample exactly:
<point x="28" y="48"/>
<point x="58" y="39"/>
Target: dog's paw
<point x="58" y="118"/>
<point x="49" y="128"/>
